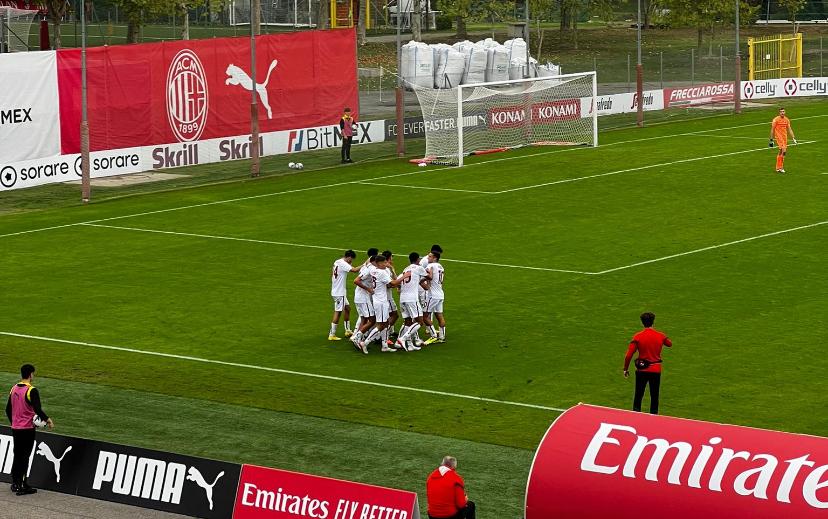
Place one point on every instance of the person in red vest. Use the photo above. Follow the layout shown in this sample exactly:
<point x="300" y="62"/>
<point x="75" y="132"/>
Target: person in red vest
<point x="648" y="343"/>
<point x="446" y="493"/>
<point x="22" y="409"/>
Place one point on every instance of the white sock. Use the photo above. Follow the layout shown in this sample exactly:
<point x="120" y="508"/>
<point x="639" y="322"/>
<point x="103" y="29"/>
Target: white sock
<point x="432" y="331"/>
<point x="347" y="326"/>
<point x="333" y="328"/>
<point x="403" y="333"/>
<point x="443" y="332"/>
<point x="413" y="330"/>
<point x="358" y="324"/>
<point x="371" y="336"/>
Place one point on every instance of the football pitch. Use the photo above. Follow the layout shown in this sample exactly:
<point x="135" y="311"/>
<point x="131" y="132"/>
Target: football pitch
<point x="195" y="320"/>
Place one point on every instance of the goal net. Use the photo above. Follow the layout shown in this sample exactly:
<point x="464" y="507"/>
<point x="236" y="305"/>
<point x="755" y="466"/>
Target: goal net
<point x="14" y="28"/>
<point x="483" y="118"/>
<point x="290" y="13"/>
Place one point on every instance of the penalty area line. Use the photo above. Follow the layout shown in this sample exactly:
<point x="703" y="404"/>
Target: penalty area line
<point x="712" y="247"/>
<point x="281" y="371"/>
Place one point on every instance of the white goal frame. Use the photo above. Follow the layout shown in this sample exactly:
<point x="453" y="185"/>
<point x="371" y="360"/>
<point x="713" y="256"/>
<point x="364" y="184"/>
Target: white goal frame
<point x="493" y="116"/>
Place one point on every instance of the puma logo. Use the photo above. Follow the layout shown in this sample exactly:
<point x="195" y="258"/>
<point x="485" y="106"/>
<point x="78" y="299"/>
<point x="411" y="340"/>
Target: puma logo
<point x="237" y="76"/>
<point x="195" y="476"/>
<point x="46" y="452"/>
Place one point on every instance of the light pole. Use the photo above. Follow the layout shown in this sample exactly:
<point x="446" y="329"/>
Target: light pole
<point x="400" y="93"/>
<point x="86" y="184"/>
<point x="254" y="107"/>
<point x="639" y="77"/>
<point x="737" y="83"/>
<point x="526" y="35"/>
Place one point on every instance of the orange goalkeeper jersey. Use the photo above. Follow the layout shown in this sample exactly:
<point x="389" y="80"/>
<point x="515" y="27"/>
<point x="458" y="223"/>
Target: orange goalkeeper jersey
<point x="780" y="129"/>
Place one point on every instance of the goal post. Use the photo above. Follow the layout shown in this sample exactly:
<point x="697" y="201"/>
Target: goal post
<point x="482" y="118"/>
<point x="15" y="25"/>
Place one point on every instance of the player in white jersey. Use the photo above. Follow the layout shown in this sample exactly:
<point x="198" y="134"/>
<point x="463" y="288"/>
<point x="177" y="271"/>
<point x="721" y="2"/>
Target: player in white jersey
<point x="393" y="315"/>
<point x="381" y="279"/>
<point x="412" y="312"/>
<point x="435" y="297"/>
<point x="341" y="268"/>
<point x="423" y="293"/>
<point x="363" y="300"/>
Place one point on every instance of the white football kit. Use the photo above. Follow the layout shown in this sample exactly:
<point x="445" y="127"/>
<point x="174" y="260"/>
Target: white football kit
<point x="391" y="304"/>
<point x="362" y="299"/>
<point x="409" y="291"/>
<point x="380" y="279"/>
<point x="339" y="275"/>
<point x="435" y="294"/>
<point x="421" y="292"/>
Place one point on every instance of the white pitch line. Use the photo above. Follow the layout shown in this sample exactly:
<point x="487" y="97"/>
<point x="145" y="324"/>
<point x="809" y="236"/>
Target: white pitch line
<point x="766" y="235"/>
<point x="282" y="371"/>
<point x="428" y="187"/>
<point x="211" y="236"/>
<point x="734" y="137"/>
<point x="640" y="168"/>
<point x="306" y="246"/>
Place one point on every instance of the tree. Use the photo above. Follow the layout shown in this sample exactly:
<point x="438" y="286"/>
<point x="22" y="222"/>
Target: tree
<point x="417" y="21"/>
<point x="460" y="10"/>
<point x="363" y="16"/>
<point x="704" y="15"/>
<point x="792" y="7"/>
<point x="323" y="17"/>
<point x="57" y="10"/>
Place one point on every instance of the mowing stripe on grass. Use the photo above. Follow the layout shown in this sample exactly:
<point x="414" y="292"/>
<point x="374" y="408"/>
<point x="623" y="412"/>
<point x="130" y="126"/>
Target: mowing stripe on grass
<point x="640" y="168"/>
<point x="302" y="245"/>
<point x="766" y="235"/>
<point x="324" y="186"/>
<point x="279" y="370"/>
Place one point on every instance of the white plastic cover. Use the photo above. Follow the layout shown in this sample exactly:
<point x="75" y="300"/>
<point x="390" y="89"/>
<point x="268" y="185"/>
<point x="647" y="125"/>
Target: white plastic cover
<point x="450" y="70"/>
<point x="476" y="62"/>
<point x="497" y="64"/>
<point x="417" y="65"/>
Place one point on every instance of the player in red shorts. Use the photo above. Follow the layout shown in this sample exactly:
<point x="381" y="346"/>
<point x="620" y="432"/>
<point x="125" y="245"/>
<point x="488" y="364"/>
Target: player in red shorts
<point x="780" y="127"/>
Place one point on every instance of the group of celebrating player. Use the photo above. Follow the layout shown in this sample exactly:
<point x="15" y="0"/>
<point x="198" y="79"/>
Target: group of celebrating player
<point x="421" y="299"/>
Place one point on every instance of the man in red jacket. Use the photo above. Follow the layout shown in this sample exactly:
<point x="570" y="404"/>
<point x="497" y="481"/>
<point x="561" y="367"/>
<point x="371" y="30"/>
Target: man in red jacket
<point x="648" y="343"/>
<point x="446" y="493"/>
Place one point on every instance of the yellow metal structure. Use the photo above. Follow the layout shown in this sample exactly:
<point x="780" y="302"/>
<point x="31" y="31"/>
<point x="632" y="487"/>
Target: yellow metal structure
<point x="774" y="57"/>
<point x="342" y="14"/>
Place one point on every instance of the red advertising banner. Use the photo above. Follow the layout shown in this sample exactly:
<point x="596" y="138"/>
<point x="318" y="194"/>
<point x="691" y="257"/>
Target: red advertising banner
<point x="699" y="94"/>
<point x="265" y="493"/>
<point x="599" y="462"/>
<point x="185" y="91"/>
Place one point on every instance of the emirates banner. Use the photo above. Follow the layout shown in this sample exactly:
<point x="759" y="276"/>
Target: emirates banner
<point x="278" y="494"/>
<point x="187" y="91"/>
<point x="599" y="462"/>
<point x="28" y="106"/>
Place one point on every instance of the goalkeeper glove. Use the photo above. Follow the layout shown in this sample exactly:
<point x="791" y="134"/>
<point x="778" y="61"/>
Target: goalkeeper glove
<point x="770" y="143"/>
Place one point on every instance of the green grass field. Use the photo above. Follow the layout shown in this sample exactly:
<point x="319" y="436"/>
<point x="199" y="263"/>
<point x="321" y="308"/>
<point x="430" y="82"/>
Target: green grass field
<point x="215" y="298"/>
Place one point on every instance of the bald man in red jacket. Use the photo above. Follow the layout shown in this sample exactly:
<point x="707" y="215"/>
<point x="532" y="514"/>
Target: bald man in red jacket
<point x="446" y="493"/>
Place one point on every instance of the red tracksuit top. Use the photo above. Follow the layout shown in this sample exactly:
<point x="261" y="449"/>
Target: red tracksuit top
<point x="446" y="492"/>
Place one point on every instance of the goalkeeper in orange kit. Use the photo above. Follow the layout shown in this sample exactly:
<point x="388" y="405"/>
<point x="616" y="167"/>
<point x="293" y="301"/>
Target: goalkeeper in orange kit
<point x="780" y="127"/>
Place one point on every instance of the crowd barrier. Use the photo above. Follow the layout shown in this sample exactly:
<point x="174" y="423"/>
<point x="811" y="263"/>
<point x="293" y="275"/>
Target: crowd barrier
<point x="197" y="487"/>
<point x="607" y="463"/>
